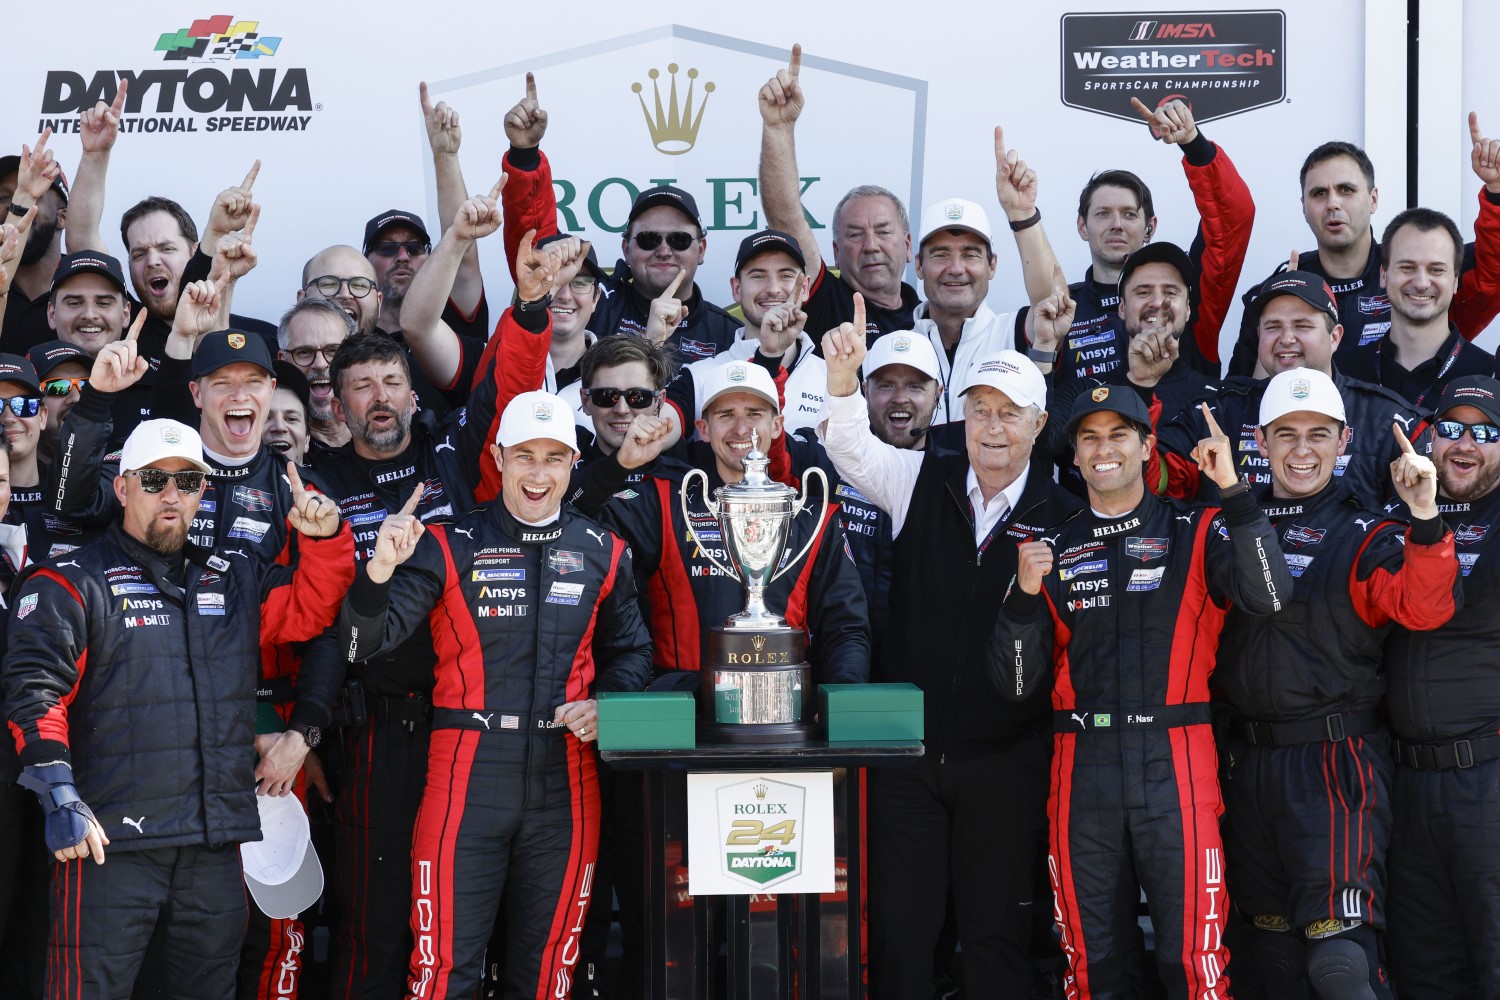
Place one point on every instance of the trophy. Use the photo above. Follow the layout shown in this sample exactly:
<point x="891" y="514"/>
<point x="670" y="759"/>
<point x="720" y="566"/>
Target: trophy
<point x="757" y="681"/>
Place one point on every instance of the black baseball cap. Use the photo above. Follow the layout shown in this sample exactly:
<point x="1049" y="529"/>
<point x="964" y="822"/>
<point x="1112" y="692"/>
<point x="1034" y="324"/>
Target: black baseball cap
<point x="226" y="347"/>
<point x="590" y="261"/>
<point x="15" y="368"/>
<point x="48" y="355"/>
<point x="392" y="217"/>
<point x="1160" y="253"/>
<point x="88" y="262"/>
<point x="1121" y="399"/>
<point x="12" y="164"/>
<point x="665" y="194"/>
<point x="767" y="241"/>
<point x="1479" y="391"/>
<point x="1308" y="287"/>
<point x="289" y="376"/>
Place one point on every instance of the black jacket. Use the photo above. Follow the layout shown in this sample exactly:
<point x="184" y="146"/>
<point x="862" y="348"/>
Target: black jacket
<point x="142" y="675"/>
<point x="707" y="332"/>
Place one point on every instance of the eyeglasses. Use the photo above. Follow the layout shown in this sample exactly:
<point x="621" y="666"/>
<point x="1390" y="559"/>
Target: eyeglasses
<point x="1452" y="430"/>
<point x="648" y="239"/>
<point x="63" y="386"/>
<point x="636" y="399"/>
<point x="155" y="480"/>
<point x="22" y="406"/>
<point x="303" y="356"/>
<point x="328" y="285"/>
<point x="582" y="285"/>
<point x="413" y="248"/>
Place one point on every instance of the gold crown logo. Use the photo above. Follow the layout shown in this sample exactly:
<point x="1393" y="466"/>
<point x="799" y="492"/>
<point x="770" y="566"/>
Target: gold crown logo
<point x="758" y="641"/>
<point x="674" y="130"/>
<point x="760" y="790"/>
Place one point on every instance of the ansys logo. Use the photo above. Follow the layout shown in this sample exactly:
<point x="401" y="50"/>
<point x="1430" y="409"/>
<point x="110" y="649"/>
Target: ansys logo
<point x="674" y="131"/>
<point x="213" y="77"/>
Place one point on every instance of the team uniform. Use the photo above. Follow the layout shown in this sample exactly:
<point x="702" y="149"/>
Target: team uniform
<point x="524" y="618"/>
<point x="1125" y="630"/>
<point x="1423" y="385"/>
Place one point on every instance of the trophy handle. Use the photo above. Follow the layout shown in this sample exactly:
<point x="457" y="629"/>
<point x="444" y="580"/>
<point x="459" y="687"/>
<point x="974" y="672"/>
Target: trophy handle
<point x="713" y="509"/>
<point x="802" y="502"/>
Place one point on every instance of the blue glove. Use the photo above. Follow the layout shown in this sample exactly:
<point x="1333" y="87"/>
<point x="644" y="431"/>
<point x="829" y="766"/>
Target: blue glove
<point x="67" y="823"/>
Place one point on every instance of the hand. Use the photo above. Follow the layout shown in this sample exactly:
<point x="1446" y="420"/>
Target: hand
<point x="479" y="216"/>
<point x="536" y="270"/>
<point x="99" y="126"/>
<point x="443" y="134"/>
<point x="1033" y="563"/>
<point x="526" y="123"/>
<point x="1292" y="259"/>
<point x="783" y="322"/>
<point x="1015" y="182"/>
<point x="281" y="756"/>
<point x="1415" y="479"/>
<point x="644" y="441"/>
<point x="234" y="254"/>
<point x="781" y="98"/>
<point x="1053" y="316"/>
<point x="118" y="366"/>
<point x="312" y="514"/>
<point x="1172" y="122"/>
<point x="231" y="210"/>
<point x="667" y="312"/>
<point x="197" y="310"/>
<point x="70" y="830"/>
<point x="37" y="171"/>
<point x="844" y="351"/>
<point x="1485" y="159"/>
<point x="570" y="254"/>
<point x="397" y="539"/>
<point x="1151" y="357"/>
<point x="582" y="717"/>
<point x="1214" y="454"/>
<point x="10" y="248"/>
<point x="317" y="781"/>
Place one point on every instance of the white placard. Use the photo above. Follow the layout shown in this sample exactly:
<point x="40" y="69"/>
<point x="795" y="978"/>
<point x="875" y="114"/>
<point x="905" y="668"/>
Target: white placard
<point x="753" y="833"/>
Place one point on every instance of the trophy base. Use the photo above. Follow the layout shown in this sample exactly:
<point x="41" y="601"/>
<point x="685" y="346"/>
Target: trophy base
<point x="751" y="733"/>
<point x="756" y="688"/>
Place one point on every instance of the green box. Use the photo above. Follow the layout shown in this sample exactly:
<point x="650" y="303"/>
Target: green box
<point x="871" y="712"/>
<point x="647" y="720"/>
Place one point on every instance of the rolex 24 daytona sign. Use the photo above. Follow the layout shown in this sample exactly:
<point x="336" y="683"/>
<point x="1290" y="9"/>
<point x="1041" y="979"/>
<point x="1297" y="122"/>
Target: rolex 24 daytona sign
<point x="754" y="833"/>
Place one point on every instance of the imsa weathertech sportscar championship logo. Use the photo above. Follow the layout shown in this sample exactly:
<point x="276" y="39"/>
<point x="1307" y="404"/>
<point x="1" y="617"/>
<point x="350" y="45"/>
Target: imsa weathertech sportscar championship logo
<point x="759" y="823"/>
<point x="1221" y="63"/>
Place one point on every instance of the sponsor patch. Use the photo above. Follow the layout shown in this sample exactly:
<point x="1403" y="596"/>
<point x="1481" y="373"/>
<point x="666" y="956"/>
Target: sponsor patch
<point x="1095" y="566"/>
<point x="27" y="606"/>
<point x="1300" y="536"/>
<point x="496" y="575"/>
<point x="1145" y="579"/>
<point x="1373" y="332"/>
<point x="368" y="517"/>
<point x="141" y="621"/>
<point x="1297" y="564"/>
<point x="1089" y="340"/>
<point x="1466" y="561"/>
<point x="565" y="593"/>
<point x="564" y="561"/>
<point x="208" y="506"/>
<point x="252" y="500"/>
<point x="133" y="588"/>
<point x="211" y="604"/>
<point x="1470" y="534"/>
<point x="1145" y="549"/>
<point x="845" y="490"/>
<point x="249" y="529"/>
<point x="1374" y="305"/>
<point x="626" y="495"/>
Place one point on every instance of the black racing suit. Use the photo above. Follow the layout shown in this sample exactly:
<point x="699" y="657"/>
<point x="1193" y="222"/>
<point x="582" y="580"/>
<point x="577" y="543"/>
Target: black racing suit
<point x="525" y="619"/>
<point x="1124" y="630"/>
<point x="139" y="673"/>
<point x="1423" y="385"/>
<point x="1309" y="774"/>
<point x="47" y="534"/>
<point x="1443" y="695"/>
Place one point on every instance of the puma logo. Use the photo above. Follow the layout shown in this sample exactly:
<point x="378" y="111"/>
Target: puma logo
<point x="1082" y="723"/>
<point x="236" y="552"/>
<point x="1405" y="422"/>
<point x="1365" y="522"/>
<point x="484" y="719"/>
<point x="466" y="532"/>
<point x="1185" y="517"/>
<point x="597" y="534"/>
<point x="1051" y="539"/>
<point x="447" y="443"/>
<point x="70" y="562"/>
<point x="134" y="822"/>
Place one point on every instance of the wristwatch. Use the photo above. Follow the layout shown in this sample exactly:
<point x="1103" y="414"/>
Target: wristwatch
<point x="1041" y="357"/>
<point x="18" y="211"/>
<point x="537" y="306"/>
<point x="311" y="735"/>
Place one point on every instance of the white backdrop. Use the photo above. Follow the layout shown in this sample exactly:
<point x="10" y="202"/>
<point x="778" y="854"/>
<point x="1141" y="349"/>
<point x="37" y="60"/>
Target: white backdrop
<point x="893" y="98"/>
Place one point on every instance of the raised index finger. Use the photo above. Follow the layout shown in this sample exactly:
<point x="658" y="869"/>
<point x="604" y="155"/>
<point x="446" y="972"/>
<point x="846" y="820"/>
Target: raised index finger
<point x="410" y="507"/>
<point x="250" y="177"/>
<point x="530" y="87"/>
<point x="671" y="290"/>
<point x="999" y="144"/>
<point x="1401" y="438"/>
<point x="859" y="315"/>
<point x="795" y="65"/>
<point x="118" y="104"/>
<point x="499" y="186"/>
<point x="254" y="218"/>
<point x="294" y="480"/>
<point x="1213" y="425"/>
<point x="1143" y="111"/>
<point x="426" y="101"/>
<point x="1474" y="132"/>
<point x="136" y="325"/>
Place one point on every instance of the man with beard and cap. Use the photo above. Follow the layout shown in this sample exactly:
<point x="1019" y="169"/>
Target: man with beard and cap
<point x="142" y="646"/>
<point x="33" y="179"/>
<point x="1444" y="703"/>
<point x="308" y="337"/>
<point x="663" y="238"/>
<point x="1299" y="328"/>
<point x="1308" y="783"/>
<point x="63" y="371"/>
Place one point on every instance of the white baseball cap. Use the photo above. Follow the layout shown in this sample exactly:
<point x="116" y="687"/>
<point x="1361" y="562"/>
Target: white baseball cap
<point x="533" y="415"/>
<point x="1300" y="389"/>
<point x="156" y="440"/>
<point x="1013" y="373"/>
<point x="955" y="213"/>
<point x="903" y="347"/>
<point x="739" y="376"/>
<point x="282" y="869"/>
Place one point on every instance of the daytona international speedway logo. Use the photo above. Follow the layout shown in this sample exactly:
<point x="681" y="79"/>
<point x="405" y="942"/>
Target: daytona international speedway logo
<point x="216" y="38"/>
<point x="760" y="823"/>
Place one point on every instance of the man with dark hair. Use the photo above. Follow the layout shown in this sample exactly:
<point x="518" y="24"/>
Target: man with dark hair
<point x="62" y="370"/>
<point x="32" y="179"/>
<point x="619" y="379"/>
<point x="1421" y="253"/>
<point x="1339" y="198"/>
<point x="307" y="337"/>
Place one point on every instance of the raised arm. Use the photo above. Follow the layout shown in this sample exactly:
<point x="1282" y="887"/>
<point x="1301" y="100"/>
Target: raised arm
<point x="528" y="201"/>
<point x="1016" y="187"/>
<point x="443" y="138"/>
<point x="98" y="128"/>
<point x="781" y="101"/>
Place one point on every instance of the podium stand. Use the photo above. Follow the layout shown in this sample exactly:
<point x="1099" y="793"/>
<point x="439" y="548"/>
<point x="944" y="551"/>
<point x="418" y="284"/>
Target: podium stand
<point x="802" y="945"/>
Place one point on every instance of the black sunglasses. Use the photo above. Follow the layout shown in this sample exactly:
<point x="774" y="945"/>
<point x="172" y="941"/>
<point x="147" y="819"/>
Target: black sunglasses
<point x="414" y="248"/>
<point x="63" y="386"/>
<point x="648" y="239"/>
<point x="1452" y="430"/>
<point x="155" y="480"/>
<point x="23" y="406"/>
<point x="636" y="399"/>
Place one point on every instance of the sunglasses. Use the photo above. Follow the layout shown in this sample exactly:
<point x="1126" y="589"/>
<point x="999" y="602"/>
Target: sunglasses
<point x="328" y="285"/>
<point x="648" y="239"/>
<point x="636" y="399"/>
<point x="155" y="480"/>
<point x="1452" y="430"/>
<point x="22" y="406"/>
<point x="63" y="386"/>
<point x="413" y="248"/>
